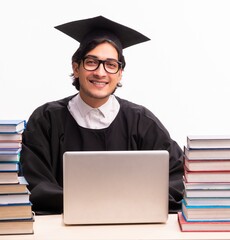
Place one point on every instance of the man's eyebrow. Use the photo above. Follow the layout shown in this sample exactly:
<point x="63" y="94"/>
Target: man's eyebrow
<point x="92" y="56"/>
<point x="95" y="57"/>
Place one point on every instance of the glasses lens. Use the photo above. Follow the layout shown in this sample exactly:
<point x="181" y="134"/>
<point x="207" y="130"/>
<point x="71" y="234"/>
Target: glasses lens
<point x="90" y="64"/>
<point x="111" y="66"/>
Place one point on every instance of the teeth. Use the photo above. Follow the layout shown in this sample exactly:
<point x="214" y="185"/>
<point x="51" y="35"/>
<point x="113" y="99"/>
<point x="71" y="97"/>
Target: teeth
<point x="99" y="83"/>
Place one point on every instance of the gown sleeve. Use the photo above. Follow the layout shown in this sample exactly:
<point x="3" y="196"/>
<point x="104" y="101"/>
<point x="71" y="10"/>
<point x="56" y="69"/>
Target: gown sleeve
<point x="39" y="166"/>
<point x="155" y="136"/>
<point x="176" y="170"/>
<point x="146" y="132"/>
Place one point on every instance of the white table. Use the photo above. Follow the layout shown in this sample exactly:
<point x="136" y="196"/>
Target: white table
<point x="51" y="227"/>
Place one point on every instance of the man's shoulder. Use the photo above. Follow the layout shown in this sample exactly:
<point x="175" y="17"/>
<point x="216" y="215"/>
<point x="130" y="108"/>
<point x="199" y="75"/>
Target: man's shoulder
<point x="141" y="114"/>
<point x="134" y="110"/>
<point x="57" y="104"/>
<point x="52" y="107"/>
<point x="127" y="105"/>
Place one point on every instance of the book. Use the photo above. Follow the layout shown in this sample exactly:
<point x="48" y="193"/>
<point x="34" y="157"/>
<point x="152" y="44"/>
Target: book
<point x="15" y="198"/>
<point x="8" y="177"/>
<point x="205" y="213"/>
<point x="203" y="201"/>
<point x="18" y="226"/>
<point x="14" y="145"/>
<point x="207" y="193"/>
<point x="9" y="157"/>
<point x="12" y="126"/>
<point x="207" y="154"/>
<point x="10" y="151"/>
<point x="205" y="226"/>
<point x="9" y="166"/>
<point x="11" y="137"/>
<point x="207" y="165"/>
<point x="207" y="176"/>
<point x="205" y="185"/>
<point x="15" y="211"/>
<point x="208" y="141"/>
<point x="19" y="187"/>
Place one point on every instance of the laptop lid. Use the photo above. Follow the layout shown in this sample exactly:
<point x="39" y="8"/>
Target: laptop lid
<point x="115" y="187"/>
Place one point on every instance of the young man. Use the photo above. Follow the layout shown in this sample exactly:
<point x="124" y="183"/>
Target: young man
<point x="94" y="119"/>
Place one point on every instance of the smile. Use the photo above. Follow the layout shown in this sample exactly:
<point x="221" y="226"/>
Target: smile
<point x="98" y="83"/>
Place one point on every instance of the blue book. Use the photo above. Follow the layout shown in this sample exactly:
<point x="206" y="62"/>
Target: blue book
<point x="9" y="166"/>
<point x="16" y="211"/>
<point x="9" y="157"/>
<point x="205" y="212"/>
<point x="20" y="187"/>
<point x="12" y="126"/>
<point x="12" y="151"/>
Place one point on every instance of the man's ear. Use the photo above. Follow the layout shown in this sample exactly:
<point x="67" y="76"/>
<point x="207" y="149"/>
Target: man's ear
<point x="75" y="68"/>
<point x="120" y="75"/>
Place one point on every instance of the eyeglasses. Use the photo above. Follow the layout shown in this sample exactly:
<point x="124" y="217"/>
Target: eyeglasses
<point x="111" y="66"/>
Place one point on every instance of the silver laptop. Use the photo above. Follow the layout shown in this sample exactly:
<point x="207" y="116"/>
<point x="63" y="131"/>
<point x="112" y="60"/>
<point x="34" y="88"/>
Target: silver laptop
<point x="115" y="187"/>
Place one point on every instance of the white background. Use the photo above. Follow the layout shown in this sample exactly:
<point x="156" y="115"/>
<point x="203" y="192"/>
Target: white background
<point x="182" y="75"/>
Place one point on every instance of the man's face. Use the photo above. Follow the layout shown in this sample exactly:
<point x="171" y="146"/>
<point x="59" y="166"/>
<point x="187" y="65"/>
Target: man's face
<point x="96" y="86"/>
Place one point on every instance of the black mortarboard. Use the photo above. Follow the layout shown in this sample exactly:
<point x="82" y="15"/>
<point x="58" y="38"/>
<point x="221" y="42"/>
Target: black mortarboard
<point x="100" y="27"/>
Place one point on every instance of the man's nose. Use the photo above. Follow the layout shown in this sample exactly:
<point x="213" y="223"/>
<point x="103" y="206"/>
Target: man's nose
<point x="101" y="69"/>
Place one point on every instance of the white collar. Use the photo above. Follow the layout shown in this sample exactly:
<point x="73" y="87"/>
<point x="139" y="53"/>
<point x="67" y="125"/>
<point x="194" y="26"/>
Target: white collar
<point x="89" y="117"/>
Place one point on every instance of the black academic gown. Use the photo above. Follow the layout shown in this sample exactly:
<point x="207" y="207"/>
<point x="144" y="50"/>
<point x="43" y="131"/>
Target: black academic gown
<point x="51" y="130"/>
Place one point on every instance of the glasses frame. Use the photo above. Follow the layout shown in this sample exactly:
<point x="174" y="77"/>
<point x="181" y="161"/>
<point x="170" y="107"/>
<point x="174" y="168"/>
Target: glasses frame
<point x="103" y="63"/>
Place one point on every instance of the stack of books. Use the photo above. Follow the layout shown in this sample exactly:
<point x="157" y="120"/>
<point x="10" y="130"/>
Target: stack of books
<point x="206" y="200"/>
<point x="16" y="215"/>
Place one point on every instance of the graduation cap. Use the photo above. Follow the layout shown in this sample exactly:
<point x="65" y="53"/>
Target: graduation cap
<point x="100" y="27"/>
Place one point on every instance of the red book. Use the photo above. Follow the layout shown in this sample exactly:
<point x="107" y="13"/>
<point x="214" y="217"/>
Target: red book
<point x="202" y="226"/>
<point x="207" y="165"/>
<point x="207" y="176"/>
